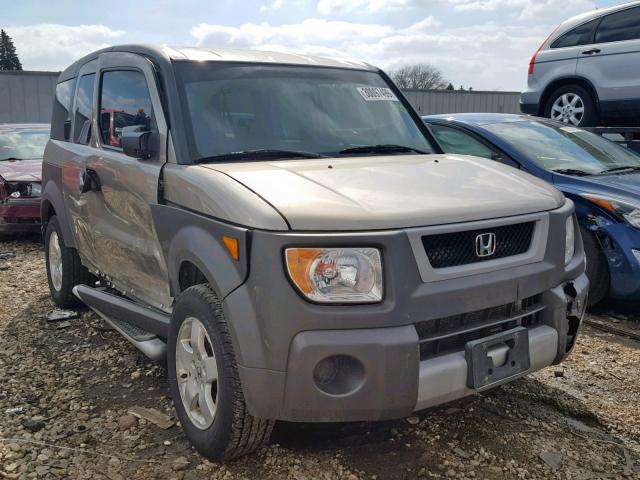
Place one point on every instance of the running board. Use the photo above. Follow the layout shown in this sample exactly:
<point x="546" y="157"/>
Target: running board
<point x="141" y="325"/>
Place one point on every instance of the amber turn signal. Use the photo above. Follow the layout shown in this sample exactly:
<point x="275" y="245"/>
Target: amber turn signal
<point x="299" y="261"/>
<point x="606" y="204"/>
<point x="232" y="246"/>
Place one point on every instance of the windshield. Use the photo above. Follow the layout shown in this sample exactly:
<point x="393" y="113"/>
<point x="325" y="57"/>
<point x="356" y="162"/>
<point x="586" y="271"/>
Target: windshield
<point x="23" y="144"/>
<point x="564" y="148"/>
<point x="323" y="111"/>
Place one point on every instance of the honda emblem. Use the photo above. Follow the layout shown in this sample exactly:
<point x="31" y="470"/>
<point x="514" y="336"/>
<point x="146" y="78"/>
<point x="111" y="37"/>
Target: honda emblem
<point x="485" y="244"/>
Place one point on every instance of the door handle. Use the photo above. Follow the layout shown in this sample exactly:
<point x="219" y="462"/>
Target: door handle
<point x="593" y="51"/>
<point x="90" y="181"/>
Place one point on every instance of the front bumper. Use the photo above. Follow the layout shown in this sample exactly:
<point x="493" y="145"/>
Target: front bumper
<point x="280" y="339"/>
<point x="393" y="382"/>
<point x="19" y="216"/>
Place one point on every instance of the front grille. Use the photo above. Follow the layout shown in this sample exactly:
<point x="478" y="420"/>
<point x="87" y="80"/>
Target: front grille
<point x="459" y="248"/>
<point x="450" y="334"/>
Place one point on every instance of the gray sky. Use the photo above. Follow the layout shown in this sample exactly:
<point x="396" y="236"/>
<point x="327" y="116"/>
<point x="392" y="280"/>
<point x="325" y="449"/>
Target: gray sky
<point x="485" y="44"/>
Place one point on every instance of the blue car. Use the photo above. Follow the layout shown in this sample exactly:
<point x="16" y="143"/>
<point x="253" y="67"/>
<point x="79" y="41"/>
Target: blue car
<point x="601" y="177"/>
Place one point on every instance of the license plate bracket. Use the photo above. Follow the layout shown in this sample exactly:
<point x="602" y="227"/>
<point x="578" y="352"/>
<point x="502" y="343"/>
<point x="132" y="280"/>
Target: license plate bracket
<point x="512" y="346"/>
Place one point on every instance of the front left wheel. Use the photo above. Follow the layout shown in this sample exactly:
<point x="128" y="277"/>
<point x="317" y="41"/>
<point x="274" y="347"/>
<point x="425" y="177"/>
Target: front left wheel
<point x="204" y="381"/>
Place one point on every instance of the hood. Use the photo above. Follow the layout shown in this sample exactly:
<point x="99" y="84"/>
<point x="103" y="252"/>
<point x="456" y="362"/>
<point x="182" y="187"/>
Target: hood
<point x="21" y="170"/>
<point x="384" y="192"/>
<point x="621" y="184"/>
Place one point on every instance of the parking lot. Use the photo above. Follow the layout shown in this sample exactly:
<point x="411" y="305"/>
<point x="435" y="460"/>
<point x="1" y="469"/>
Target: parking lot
<point x="68" y="387"/>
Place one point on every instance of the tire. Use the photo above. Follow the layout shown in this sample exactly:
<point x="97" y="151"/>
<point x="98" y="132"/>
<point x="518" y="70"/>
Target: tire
<point x="230" y="431"/>
<point x="597" y="268"/>
<point x="69" y="271"/>
<point x="589" y="118"/>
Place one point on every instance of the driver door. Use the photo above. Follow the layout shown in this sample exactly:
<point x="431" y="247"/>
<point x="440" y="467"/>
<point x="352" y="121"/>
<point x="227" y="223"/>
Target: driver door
<point x="125" y="244"/>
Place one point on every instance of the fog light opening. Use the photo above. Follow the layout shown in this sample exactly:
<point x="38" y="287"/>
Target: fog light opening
<point x="339" y="375"/>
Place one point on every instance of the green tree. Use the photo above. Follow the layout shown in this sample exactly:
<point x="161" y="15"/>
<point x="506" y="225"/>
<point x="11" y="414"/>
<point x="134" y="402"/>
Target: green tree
<point x="450" y="87"/>
<point x="8" y="57"/>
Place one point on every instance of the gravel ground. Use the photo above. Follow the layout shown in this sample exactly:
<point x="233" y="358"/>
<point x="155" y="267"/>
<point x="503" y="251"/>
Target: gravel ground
<point x="67" y="388"/>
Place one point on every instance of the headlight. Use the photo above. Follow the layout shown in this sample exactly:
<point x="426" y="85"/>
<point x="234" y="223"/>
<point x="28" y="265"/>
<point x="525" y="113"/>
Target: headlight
<point x="35" y="190"/>
<point x="336" y="275"/>
<point x="570" y="240"/>
<point x="628" y="210"/>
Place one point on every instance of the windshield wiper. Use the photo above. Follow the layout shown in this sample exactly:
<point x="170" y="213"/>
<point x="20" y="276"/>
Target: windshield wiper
<point x="572" y="171"/>
<point x="621" y="168"/>
<point x="10" y="158"/>
<point x="387" y="148"/>
<point x="260" y="154"/>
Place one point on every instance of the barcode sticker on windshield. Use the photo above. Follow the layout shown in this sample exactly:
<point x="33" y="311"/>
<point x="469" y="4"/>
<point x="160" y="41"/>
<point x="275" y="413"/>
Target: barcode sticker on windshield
<point x="377" y="94"/>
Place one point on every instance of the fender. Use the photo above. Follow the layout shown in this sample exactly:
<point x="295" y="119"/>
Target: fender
<point x="187" y="236"/>
<point x="52" y="196"/>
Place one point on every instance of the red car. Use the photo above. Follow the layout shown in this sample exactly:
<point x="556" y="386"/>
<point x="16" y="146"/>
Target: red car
<point x="21" y="151"/>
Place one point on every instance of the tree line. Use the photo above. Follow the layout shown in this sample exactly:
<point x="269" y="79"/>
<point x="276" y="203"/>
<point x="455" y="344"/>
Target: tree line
<point x="421" y="76"/>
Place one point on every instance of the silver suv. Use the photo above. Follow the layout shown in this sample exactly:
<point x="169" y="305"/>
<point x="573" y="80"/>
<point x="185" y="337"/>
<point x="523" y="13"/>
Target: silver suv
<point x="587" y="73"/>
<point x="286" y="231"/>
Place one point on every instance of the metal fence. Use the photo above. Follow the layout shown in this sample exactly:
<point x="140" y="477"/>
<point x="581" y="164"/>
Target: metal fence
<point x="430" y="102"/>
<point x="28" y="97"/>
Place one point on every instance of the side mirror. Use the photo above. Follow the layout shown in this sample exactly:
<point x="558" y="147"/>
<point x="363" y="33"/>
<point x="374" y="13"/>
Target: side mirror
<point x="135" y="141"/>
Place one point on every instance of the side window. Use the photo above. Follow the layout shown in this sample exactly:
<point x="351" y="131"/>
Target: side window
<point x="83" y="108"/>
<point x="454" y="141"/>
<point x="124" y="102"/>
<point x="619" y="26"/>
<point x="581" y="35"/>
<point x="61" y="118"/>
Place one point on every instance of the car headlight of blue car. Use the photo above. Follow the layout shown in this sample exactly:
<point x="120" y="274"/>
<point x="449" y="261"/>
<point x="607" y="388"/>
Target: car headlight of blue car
<point x="623" y="209"/>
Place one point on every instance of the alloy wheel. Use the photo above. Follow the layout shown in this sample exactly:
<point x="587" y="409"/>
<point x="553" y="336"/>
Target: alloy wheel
<point x="568" y="108"/>
<point x="197" y="373"/>
<point x="55" y="261"/>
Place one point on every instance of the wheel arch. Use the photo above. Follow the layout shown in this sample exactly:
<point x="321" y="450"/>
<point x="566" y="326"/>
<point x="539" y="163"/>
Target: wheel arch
<point x="52" y="203"/>
<point x="47" y="210"/>
<point x="562" y="82"/>
<point x="189" y="275"/>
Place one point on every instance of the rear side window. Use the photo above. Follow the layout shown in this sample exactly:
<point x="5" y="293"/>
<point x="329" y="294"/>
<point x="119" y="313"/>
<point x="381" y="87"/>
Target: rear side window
<point x="581" y="35"/>
<point x="619" y="26"/>
<point x="83" y="108"/>
<point x="61" y="119"/>
<point x="124" y="102"/>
